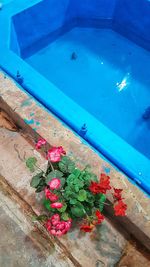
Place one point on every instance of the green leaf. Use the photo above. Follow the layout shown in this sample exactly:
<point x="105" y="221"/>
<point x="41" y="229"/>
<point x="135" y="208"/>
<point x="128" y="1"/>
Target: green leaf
<point x="82" y="195"/>
<point x="63" y="180"/>
<point x="63" y="209"/>
<point x="46" y="204"/>
<point x="53" y="174"/>
<point x="76" y="172"/>
<point x="102" y="201"/>
<point x="70" y="179"/>
<point x="87" y="168"/>
<point x="36" y="179"/>
<point x="73" y="201"/>
<point x="30" y="163"/>
<point x="90" y="197"/>
<point x="40" y="218"/>
<point x="77" y="212"/>
<point x="40" y="189"/>
<point x="80" y="184"/>
<point x="68" y="194"/>
<point x="65" y="216"/>
<point x="76" y="188"/>
<point x="93" y="177"/>
<point x="66" y="165"/>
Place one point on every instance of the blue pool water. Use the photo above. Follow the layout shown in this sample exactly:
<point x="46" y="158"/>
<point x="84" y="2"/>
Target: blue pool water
<point x="88" y="63"/>
<point x="110" y="78"/>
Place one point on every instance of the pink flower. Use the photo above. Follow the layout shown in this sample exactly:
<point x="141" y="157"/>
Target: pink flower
<point x="48" y="225"/>
<point x="60" y="225"/>
<point x="68" y="224"/>
<point x="55" y="183"/>
<point x="57" y="205"/>
<point x="57" y="227"/>
<point x="49" y="195"/>
<point x="55" y="219"/>
<point x="47" y="192"/>
<point x="53" y="197"/>
<point x="54" y="154"/>
<point x="41" y="142"/>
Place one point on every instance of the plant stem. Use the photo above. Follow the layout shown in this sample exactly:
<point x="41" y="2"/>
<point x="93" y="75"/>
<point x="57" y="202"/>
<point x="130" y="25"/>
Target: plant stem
<point x="106" y="203"/>
<point x="39" y="168"/>
<point x="51" y="166"/>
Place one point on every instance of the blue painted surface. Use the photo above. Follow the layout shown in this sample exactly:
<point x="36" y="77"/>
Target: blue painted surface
<point x="103" y="79"/>
<point x="105" y="70"/>
<point x="132" y="18"/>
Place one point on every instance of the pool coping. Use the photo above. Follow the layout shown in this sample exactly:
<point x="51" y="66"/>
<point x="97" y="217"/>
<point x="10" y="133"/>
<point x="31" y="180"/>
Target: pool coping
<point x="99" y="136"/>
<point x="34" y="120"/>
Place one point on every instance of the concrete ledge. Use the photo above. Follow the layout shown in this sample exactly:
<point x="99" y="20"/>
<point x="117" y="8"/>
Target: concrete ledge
<point x="34" y="120"/>
<point x="106" y="244"/>
<point x="41" y="237"/>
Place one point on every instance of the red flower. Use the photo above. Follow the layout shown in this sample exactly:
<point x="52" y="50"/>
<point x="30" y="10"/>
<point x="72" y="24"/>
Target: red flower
<point x="49" y="195"/>
<point x="55" y="183"/>
<point x="56" y="205"/>
<point x="94" y="187"/>
<point x="41" y="142"/>
<point x="117" y="193"/>
<point x="102" y="186"/>
<point x="86" y="228"/>
<point x="120" y="208"/>
<point x="99" y="216"/>
<point x="104" y="183"/>
<point x="48" y="225"/>
<point x="54" y="154"/>
<point x="57" y="227"/>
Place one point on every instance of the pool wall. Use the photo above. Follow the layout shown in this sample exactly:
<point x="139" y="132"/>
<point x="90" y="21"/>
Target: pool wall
<point x="43" y="26"/>
<point x="95" y="12"/>
<point x="122" y="16"/>
<point x="132" y="18"/>
<point x="25" y="35"/>
<point x="43" y="22"/>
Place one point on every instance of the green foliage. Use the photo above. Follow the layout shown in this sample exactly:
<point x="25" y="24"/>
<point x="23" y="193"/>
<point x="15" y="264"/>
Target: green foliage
<point x="40" y="218"/>
<point x="36" y="179"/>
<point x="102" y="199"/>
<point x="63" y="209"/>
<point x="76" y="172"/>
<point x="30" y="163"/>
<point x="82" y="195"/>
<point x="54" y="174"/>
<point x="78" y="201"/>
<point x="66" y="165"/>
<point x="73" y="201"/>
<point x="90" y="197"/>
<point x="41" y="186"/>
<point x="65" y="216"/>
<point x="78" y="210"/>
<point x="46" y="203"/>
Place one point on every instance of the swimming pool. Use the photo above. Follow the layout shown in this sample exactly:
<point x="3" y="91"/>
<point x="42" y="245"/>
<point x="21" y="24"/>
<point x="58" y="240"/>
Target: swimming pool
<point x="89" y="63"/>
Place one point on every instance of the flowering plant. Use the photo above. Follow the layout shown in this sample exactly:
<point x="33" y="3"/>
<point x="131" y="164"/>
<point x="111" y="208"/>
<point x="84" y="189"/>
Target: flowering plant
<point x="71" y="194"/>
